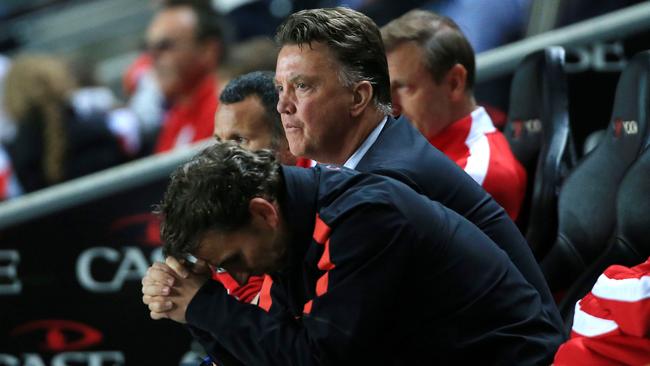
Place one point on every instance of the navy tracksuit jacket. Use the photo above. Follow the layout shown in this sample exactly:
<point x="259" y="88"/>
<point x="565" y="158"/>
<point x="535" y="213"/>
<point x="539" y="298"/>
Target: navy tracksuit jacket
<point x="378" y="275"/>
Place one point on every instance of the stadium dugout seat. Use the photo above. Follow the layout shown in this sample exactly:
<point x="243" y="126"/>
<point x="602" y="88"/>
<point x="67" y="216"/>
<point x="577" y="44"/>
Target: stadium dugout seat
<point x="592" y="140"/>
<point x="631" y="244"/>
<point x="539" y="135"/>
<point x="587" y="202"/>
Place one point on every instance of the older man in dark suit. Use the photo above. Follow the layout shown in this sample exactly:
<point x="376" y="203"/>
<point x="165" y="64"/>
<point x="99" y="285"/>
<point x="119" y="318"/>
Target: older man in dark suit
<point x="332" y="76"/>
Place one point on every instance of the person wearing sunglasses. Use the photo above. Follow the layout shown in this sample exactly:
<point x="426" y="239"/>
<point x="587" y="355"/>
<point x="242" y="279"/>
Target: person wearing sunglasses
<point x="185" y="43"/>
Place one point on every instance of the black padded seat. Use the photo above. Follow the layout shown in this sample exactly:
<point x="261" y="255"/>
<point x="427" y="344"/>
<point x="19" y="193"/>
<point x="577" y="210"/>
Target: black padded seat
<point x="587" y="202"/>
<point x="539" y="134"/>
<point x="631" y="245"/>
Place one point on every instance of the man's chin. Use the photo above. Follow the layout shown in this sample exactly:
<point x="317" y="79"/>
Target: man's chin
<point x="297" y="150"/>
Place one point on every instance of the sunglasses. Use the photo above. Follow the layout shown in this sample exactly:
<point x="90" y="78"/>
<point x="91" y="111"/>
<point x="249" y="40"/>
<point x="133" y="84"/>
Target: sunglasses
<point x="161" y="45"/>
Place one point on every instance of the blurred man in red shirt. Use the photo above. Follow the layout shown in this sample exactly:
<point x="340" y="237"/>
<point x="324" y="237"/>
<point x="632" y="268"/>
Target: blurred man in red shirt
<point x="185" y="42"/>
<point x="431" y="66"/>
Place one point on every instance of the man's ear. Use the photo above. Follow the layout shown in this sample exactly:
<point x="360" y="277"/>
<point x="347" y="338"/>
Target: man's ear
<point x="362" y="93"/>
<point x="264" y="212"/>
<point x="456" y="80"/>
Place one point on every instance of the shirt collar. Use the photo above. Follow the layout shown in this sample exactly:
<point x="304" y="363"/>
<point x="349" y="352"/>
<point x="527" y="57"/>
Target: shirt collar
<point x="465" y="129"/>
<point x="354" y="160"/>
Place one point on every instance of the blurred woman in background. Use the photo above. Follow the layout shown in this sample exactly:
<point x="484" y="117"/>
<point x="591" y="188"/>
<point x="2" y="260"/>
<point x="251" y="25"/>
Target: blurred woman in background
<point x="53" y="143"/>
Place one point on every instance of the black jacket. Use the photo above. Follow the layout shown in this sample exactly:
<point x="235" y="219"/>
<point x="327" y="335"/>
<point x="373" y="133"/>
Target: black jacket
<point x="378" y="275"/>
<point x="403" y="153"/>
<point x="90" y="147"/>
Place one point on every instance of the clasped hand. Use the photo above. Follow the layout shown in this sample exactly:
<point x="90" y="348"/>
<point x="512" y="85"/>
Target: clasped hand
<point x="168" y="288"/>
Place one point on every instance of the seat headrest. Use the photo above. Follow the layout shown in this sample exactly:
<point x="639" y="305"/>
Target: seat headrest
<point x="538" y="99"/>
<point x="539" y="76"/>
<point x="629" y="120"/>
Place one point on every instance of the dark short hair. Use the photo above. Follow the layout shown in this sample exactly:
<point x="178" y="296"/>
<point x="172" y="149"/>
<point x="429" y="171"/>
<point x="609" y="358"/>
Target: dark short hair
<point x="353" y="38"/>
<point x="441" y="40"/>
<point x="259" y="84"/>
<point x="209" y="21"/>
<point x="212" y="192"/>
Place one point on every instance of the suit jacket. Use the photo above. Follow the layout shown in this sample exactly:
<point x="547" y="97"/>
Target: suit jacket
<point x="403" y="153"/>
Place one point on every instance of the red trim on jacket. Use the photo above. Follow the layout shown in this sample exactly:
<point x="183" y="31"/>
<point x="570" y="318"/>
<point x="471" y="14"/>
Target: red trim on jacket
<point x="321" y="236"/>
<point x="245" y="293"/>
<point x="265" y="293"/>
<point x="321" y="231"/>
<point x="307" y="308"/>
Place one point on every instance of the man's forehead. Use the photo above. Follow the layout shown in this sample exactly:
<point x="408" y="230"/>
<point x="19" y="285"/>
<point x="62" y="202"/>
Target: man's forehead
<point x="301" y="70"/>
<point x="294" y="76"/>
<point x="317" y="53"/>
<point x="243" y="117"/>
<point x="251" y="105"/>
<point x="224" y="119"/>
<point x="173" y="22"/>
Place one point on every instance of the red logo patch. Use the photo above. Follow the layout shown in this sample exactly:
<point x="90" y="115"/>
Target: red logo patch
<point x="61" y="335"/>
<point x="147" y="222"/>
<point x="618" y="126"/>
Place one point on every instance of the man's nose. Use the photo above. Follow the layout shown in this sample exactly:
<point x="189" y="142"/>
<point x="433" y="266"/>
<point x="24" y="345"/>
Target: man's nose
<point x="285" y="105"/>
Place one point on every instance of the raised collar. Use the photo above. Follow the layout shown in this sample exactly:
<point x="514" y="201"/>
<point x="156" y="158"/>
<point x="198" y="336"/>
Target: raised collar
<point x="298" y="205"/>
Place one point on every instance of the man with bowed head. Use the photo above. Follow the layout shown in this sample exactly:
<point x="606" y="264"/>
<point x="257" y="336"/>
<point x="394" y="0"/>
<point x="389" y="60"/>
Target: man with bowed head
<point x="248" y="116"/>
<point x="420" y="284"/>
